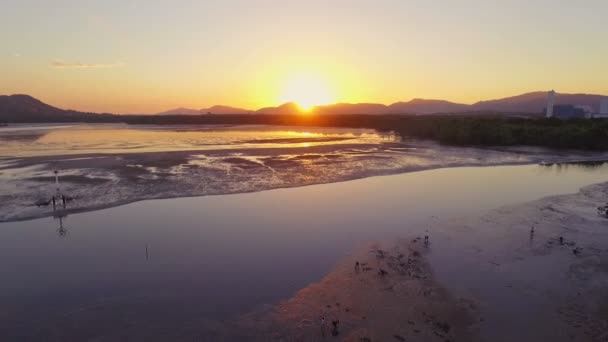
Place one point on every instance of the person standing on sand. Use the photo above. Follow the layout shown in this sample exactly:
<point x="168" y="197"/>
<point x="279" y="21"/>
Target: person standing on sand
<point x="322" y="322"/>
<point x="334" y="330"/>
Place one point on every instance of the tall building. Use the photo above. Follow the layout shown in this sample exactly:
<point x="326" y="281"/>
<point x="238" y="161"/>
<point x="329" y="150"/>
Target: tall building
<point x="604" y="105"/>
<point x="550" y="103"/>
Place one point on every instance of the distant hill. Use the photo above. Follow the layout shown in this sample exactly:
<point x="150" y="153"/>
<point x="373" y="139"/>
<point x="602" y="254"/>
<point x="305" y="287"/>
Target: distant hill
<point x="423" y="106"/>
<point x="351" y="108"/>
<point x="24" y="108"/>
<point x="180" y="111"/>
<point x="224" y="110"/>
<point x="535" y="102"/>
<point x="416" y="106"/>
<point x="213" y="110"/>
<point x="285" y="108"/>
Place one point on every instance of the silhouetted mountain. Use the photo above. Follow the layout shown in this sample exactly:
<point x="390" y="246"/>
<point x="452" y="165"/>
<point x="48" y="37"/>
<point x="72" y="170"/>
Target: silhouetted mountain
<point x="180" y="111"/>
<point x="285" y="108"/>
<point x="526" y="103"/>
<point x="535" y="102"/>
<point x="416" y="106"/>
<point x="351" y="108"/>
<point x="24" y="108"/>
<point x="213" y="110"/>
<point x="224" y="110"/>
<point x="423" y="106"/>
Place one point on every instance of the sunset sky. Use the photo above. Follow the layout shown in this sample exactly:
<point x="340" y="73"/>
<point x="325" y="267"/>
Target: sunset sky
<point x="149" y="56"/>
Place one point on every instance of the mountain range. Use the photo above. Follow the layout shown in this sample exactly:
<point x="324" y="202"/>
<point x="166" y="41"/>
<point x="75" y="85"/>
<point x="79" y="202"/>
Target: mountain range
<point x="211" y="110"/>
<point x="25" y="108"/>
<point x="534" y="102"/>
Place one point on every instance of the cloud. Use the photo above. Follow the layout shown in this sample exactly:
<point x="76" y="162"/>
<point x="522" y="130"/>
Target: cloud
<point x="64" y="65"/>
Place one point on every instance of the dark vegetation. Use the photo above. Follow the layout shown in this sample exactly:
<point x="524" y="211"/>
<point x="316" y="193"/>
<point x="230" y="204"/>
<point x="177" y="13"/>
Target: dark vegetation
<point x="511" y="127"/>
<point x="553" y="133"/>
<point x="473" y="129"/>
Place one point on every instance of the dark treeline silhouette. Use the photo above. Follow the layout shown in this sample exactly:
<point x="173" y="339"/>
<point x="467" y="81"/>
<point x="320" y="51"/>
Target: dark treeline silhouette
<point x="474" y="129"/>
<point x="481" y="129"/>
<point x="504" y="131"/>
<point x="66" y="116"/>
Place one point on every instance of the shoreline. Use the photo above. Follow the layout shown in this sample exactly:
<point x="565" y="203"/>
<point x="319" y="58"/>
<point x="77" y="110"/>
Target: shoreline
<point x="495" y="279"/>
<point x="184" y="155"/>
<point x="507" y="288"/>
<point x="70" y="211"/>
<point x="131" y="171"/>
<point x="547" y="288"/>
<point x="392" y="295"/>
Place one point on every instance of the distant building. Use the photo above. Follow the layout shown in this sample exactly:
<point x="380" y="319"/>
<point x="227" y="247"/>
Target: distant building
<point x="587" y="109"/>
<point x="550" y="103"/>
<point x="603" y="112"/>
<point x="568" y="111"/>
<point x="604" y="106"/>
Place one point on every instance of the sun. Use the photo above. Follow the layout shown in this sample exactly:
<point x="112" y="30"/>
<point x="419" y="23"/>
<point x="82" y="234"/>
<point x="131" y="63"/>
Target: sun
<point x="307" y="90"/>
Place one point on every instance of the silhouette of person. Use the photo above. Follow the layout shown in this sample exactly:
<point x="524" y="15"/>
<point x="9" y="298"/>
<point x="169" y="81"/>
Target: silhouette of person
<point x="334" y="330"/>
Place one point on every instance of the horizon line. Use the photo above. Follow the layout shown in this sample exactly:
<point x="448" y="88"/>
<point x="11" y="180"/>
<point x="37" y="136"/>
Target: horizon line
<point x="311" y="109"/>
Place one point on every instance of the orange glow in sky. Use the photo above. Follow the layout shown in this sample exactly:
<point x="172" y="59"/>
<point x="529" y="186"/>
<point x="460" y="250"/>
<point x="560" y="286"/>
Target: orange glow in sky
<point x="115" y="56"/>
<point x="307" y="90"/>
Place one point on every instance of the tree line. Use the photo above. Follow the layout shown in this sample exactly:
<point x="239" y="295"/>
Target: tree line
<point x="461" y="130"/>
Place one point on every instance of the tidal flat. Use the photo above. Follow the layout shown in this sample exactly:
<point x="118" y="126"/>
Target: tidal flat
<point x="278" y="262"/>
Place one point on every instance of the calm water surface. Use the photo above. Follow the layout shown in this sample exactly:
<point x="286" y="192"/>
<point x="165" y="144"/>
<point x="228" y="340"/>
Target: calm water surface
<point x="46" y="140"/>
<point x="164" y="265"/>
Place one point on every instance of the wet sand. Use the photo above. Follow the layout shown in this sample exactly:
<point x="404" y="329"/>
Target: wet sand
<point x="98" y="181"/>
<point x="390" y="296"/>
<point x="107" y="165"/>
<point x="532" y="285"/>
<point x="506" y="283"/>
<point x="486" y="277"/>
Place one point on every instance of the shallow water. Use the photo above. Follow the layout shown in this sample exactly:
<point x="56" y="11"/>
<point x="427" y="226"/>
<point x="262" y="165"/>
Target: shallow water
<point x="108" y="165"/>
<point x="161" y="269"/>
<point x="46" y="140"/>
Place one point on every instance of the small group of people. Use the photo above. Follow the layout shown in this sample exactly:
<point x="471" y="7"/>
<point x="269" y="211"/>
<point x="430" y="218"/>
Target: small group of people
<point x="55" y="200"/>
<point x="603" y="210"/>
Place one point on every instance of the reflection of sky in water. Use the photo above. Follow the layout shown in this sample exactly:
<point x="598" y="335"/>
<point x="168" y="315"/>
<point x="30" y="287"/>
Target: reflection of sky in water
<point x="55" y="140"/>
<point x="215" y="256"/>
